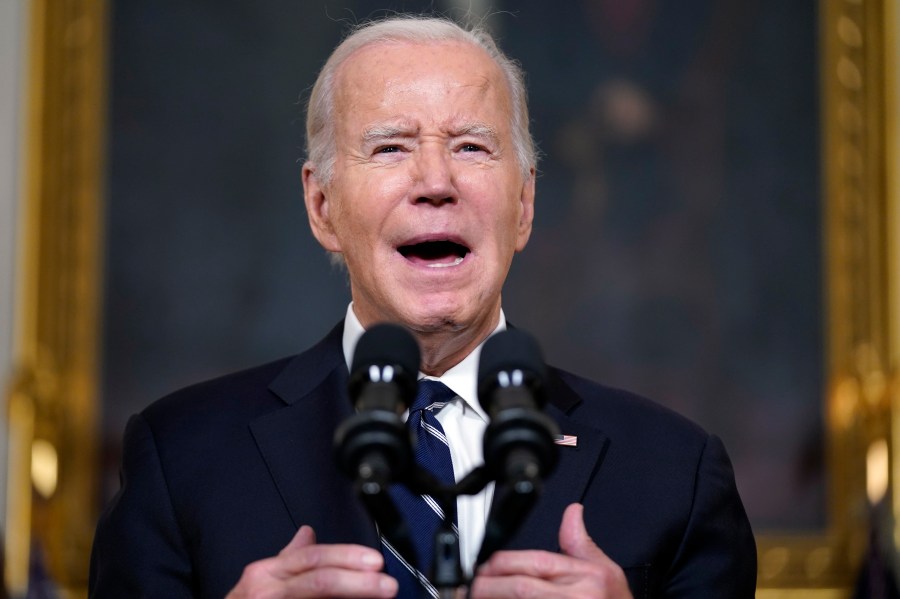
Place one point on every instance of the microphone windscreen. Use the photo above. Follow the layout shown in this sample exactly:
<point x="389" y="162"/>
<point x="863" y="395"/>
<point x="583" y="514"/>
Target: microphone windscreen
<point x="508" y="351"/>
<point x="387" y="344"/>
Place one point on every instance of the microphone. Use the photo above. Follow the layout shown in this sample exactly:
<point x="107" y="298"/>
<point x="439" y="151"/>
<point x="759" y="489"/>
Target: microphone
<point x="373" y="446"/>
<point x="518" y="443"/>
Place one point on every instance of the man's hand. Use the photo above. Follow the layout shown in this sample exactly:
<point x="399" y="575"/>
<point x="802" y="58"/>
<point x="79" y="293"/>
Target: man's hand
<point x="582" y="570"/>
<point x="304" y="569"/>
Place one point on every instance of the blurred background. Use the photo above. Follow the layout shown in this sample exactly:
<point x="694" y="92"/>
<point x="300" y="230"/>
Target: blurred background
<point x="686" y="245"/>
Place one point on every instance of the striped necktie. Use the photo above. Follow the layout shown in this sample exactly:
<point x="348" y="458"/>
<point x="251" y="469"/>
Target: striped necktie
<point x="421" y="512"/>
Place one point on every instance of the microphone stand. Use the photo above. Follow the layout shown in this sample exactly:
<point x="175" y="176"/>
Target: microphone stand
<point x="515" y="497"/>
<point x="371" y="485"/>
<point x="446" y="564"/>
<point x="511" y="504"/>
<point x="446" y="570"/>
<point x="373" y="446"/>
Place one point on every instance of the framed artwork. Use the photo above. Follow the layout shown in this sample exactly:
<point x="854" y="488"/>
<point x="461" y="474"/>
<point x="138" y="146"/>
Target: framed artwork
<point x="713" y="231"/>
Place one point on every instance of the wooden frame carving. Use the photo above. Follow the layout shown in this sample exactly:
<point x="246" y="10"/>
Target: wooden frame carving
<point x="857" y="232"/>
<point x="53" y="399"/>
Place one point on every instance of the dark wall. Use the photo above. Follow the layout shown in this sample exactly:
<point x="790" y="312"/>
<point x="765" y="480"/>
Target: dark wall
<point x="677" y="244"/>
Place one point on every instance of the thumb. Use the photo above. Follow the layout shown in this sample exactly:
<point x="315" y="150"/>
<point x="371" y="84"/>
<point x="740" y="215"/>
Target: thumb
<point x="573" y="536"/>
<point x="305" y="536"/>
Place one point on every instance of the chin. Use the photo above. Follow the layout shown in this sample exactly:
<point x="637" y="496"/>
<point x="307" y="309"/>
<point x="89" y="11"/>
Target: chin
<point x="435" y="323"/>
<point x="436" y="319"/>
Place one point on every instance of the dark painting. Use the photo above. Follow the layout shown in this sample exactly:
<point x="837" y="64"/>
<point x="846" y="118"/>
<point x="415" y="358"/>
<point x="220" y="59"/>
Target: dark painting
<point x="677" y="248"/>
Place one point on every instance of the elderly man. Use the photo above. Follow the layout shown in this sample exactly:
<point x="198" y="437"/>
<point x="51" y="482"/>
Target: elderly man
<point x="421" y="178"/>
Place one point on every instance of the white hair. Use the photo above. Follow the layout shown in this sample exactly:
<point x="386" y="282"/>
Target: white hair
<point x="320" y="130"/>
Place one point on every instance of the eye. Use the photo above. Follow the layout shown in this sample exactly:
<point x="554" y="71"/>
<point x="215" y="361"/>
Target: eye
<point x="387" y="150"/>
<point x="470" y="147"/>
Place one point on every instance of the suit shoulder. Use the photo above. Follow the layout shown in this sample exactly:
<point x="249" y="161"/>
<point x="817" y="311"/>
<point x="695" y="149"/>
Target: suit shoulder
<point x="247" y="392"/>
<point x="623" y="413"/>
<point x="233" y="393"/>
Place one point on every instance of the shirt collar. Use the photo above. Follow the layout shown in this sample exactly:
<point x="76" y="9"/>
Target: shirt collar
<point x="462" y="378"/>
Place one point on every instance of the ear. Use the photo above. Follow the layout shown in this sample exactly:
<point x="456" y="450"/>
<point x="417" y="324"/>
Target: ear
<point x="318" y="209"/>
<point x="526" y="218"/>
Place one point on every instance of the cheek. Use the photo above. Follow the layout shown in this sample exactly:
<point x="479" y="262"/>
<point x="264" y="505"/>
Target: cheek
<point x="362" y="217"/>
<point x="390" y="182"/>
<point x="349" y="227"/>
<point x="374" y="195"/>
<point x="505" y="216"/>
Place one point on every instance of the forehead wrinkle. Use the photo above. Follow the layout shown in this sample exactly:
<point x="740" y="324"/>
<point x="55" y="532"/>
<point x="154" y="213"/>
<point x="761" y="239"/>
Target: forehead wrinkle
<point x="482" y="88"/>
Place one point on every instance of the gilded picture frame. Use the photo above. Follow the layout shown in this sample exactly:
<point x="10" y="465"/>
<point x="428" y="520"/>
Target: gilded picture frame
<point x="52" y="399"/>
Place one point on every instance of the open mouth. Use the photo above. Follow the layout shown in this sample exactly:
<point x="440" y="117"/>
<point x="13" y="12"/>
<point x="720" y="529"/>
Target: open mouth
<point x="434" y="254"/>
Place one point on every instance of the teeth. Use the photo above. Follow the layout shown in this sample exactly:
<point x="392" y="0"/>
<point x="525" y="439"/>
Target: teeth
<point x="447" y="264"/>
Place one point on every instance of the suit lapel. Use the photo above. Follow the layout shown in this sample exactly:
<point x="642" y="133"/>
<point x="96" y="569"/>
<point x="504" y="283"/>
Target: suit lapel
<point x="576" y="467"/>
<point x="296" y="442"/>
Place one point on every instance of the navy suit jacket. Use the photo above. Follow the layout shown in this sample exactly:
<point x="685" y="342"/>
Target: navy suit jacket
<point x="223" y="473"/>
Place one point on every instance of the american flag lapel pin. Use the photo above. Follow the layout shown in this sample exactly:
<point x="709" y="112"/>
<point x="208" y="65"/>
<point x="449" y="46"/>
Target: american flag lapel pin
<point x="567" y="440"/>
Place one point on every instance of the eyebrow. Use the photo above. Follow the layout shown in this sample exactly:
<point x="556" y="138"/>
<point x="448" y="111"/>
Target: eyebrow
<point x="378" y="133"/>
<point x="381" y="132"/>
<point x="477" y="130"/>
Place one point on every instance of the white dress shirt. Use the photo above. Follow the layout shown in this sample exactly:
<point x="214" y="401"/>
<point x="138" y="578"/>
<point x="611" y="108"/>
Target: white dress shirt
<point x="463" y="421"/>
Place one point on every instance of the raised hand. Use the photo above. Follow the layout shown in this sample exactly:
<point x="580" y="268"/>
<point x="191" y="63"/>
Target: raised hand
<point x="304" y="569"/>
<point x="581" y="570"/>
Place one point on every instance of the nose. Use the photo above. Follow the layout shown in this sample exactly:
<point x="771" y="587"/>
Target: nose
<point x="434" y="181"/>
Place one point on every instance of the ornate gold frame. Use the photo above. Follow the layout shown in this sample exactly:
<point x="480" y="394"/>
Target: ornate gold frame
<point x="891" y="521"/>
<point x="54" y="394"/>
<point x="858" y="235"/>
<point x="52" y="404"/>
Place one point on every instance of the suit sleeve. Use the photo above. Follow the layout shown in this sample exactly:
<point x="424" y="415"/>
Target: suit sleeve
<point x="139" y="550"/>
<point x="717" y="555"/>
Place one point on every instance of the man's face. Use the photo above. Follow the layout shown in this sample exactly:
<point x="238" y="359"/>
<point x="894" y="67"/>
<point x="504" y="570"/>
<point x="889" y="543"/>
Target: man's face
<point x="428" y="203"/>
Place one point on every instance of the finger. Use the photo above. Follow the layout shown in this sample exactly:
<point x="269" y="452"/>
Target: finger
<point x="336" y="582"/>
<point x="537" y="563"/>
<point x="303" y="538"/>
<point x="545" y="575"/>
<point x="574" y="539"/>
<point x="350" y="570"/>
<point x="488" y="587"/>
<point x="348" y="557"/>
<point x="303" y="554"/>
